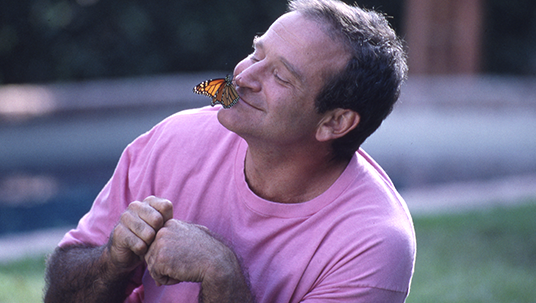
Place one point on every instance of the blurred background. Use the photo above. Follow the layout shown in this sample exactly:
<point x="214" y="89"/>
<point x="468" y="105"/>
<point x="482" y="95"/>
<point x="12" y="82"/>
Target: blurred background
<point x="81" y="79"/>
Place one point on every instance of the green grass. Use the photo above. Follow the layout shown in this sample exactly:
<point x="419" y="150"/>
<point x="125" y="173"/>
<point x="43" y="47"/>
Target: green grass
<point x="22" y="281"/>
<point x="485" y="256"/>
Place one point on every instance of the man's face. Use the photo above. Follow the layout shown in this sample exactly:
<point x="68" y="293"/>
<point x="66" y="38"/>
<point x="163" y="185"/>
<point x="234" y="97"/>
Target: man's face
<point x="279" y="81"/>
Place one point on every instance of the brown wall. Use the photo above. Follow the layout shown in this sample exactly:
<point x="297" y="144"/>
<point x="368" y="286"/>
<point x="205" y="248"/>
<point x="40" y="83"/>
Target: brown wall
<point x="444" y="36"/>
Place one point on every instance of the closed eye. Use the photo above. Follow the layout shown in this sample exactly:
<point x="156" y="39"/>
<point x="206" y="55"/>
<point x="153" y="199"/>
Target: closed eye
<point x="253" y="58"/>
<point x="276" y="75"/>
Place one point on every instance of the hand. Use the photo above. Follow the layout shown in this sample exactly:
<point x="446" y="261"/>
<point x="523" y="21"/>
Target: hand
<point x="186" y="252"/>
<point x="136" y="231"/>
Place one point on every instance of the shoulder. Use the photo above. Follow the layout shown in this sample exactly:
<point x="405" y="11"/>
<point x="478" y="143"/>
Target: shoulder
<point x="182" y="131"/>
<point x="185" y="143"/>
<point x="373" y="229"/>
<point x="189" y="122"/>
<point x="180" y="142"/>
<point x="377" y="206"/>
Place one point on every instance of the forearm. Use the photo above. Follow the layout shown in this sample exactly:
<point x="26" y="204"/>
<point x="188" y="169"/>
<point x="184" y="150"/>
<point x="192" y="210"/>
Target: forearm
<point x="84" y="274"/>
<point x="227" y="283"/>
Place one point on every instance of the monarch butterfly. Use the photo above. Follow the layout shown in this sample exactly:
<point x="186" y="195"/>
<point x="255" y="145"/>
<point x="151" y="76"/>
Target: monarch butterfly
<point x="221" y="91"/>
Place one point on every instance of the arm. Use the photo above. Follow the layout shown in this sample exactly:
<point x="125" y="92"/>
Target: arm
<point x="188" y="252"/>
<point x="102" y="273"/>
<point x="85" y="274"/>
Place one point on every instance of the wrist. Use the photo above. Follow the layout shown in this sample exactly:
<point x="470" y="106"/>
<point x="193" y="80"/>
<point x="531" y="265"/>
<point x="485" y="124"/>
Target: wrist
<point x="112" y="268"/>
<point x="225" y="281"/>
<point x="119" y="261"/>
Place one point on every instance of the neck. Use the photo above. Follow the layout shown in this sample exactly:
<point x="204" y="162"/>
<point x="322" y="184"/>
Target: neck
<point x="291" y="176"/>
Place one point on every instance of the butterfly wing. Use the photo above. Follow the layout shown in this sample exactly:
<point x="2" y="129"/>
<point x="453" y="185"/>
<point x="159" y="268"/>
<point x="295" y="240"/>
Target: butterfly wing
<point x="210" y="87"/>
<point x="221" y="91"/>
<point x="229" y="94"/>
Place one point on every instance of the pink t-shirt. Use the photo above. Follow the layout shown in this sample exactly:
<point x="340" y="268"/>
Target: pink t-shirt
<point x="353" y="243"/>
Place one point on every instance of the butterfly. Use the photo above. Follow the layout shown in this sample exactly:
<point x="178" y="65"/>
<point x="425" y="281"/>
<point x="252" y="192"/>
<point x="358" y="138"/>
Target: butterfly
<point x="221" y="91"/>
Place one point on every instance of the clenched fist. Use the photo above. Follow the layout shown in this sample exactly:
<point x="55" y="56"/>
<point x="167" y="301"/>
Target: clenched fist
<point x="136" y="231"/>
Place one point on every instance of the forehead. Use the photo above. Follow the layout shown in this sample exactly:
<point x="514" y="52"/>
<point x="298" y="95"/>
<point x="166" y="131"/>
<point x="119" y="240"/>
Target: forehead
<point x="304" y="44"/>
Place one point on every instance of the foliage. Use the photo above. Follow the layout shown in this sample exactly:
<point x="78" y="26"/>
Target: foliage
<point x="510" y="37"/>
<point x="46" y="40"/>
<point x="51" y="40"/>
<point x="55" y="40"/>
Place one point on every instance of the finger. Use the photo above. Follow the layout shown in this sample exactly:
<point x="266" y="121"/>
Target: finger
<point x="148" y="211"/>
<point x="158" y="267"/>
<point x="163" y="206"/>
<point x="137" y="245"/>
<point x="134" y="233"/>
<point x="125" y="248"/>
<point x="142" y="220"/>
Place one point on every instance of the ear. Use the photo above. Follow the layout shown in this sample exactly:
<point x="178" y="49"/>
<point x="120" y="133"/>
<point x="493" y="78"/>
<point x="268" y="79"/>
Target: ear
<point x="336" y="123"/>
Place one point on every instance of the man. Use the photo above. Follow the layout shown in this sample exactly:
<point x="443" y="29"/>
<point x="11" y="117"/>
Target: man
<point x="267" y="201"/>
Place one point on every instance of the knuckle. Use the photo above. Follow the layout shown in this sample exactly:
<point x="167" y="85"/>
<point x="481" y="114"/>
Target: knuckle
<point x="157" y="219"/>
<point x="135" y="205"/>
<point x="166" y="204"/>
<point x="203" y="228"/>
<point x="159" y="203"/>
<point x="138" y="247"/>
<point x="148" y="235"/>
<point x="150" y="199"/>
<point x="125" y="217"/>
<point x="118" y="233"/>
<point x="140" y="228"/>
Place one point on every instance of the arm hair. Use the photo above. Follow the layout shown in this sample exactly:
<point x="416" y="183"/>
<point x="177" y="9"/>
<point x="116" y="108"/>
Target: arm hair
<point x="82" y="273"/>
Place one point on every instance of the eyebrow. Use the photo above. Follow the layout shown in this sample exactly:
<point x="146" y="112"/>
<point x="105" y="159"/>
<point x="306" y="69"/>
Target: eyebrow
<point x="258" y="43"/>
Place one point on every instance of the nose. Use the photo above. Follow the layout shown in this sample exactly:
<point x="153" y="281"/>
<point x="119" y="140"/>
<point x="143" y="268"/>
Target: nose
<point x="247" y="75"/>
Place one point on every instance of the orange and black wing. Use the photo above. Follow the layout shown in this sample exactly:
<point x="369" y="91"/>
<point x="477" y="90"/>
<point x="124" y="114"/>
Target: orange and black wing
<point x="221" y="91"/>
<point x="229" y="94"/>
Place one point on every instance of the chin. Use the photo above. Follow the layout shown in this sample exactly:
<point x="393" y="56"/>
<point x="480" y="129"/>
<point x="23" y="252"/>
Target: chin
<point x="228" y="118"/>
<point x="236" y="121"/>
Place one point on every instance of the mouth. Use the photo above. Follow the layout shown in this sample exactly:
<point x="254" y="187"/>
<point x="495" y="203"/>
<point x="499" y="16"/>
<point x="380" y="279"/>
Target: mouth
<point x="241" y="100"/>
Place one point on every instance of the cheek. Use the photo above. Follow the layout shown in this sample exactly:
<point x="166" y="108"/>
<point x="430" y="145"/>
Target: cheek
<point x="298" y="112"/>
